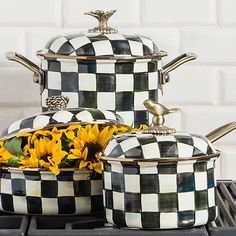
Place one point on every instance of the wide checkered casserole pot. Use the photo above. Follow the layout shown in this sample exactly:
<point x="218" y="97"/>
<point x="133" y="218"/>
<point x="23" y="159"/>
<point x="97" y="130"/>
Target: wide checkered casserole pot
<point x="160" y="178"/>
<point x="102" y="65"/>
<point x="37" y="191"/>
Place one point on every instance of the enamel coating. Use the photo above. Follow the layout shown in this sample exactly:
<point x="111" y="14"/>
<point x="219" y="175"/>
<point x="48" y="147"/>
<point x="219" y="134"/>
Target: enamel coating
<point x="151" y="195"/>
<point x="41" y="192"/>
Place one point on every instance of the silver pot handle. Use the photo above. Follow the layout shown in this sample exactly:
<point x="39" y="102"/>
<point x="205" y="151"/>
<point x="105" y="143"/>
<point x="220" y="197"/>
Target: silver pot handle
<point x="38" y="72"/>
<point x="173" y="65"/>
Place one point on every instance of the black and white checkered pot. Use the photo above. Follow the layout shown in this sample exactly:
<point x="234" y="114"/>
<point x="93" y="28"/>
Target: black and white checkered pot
<point x="41" y="192"/>
<point x="149" y="184"/>
<point x="103" y="69"/>
<point x="160" y="178"/>
<point x="33" y="191"/>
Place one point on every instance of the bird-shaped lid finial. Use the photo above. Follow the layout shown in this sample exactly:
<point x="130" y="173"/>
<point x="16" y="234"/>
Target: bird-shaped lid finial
<point x="159" y="111"/>
<point x="102" y="18"/>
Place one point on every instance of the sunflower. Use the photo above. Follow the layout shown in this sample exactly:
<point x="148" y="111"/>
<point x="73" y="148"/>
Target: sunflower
<point x="75" y="147"/>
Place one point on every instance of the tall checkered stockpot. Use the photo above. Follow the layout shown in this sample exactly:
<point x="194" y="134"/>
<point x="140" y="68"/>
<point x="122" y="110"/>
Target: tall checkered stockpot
<point x="103" y="69"/>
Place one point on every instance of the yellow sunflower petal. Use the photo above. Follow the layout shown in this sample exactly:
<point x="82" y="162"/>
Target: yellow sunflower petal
<point x="55" y="170"/>
<point x="97" y="166"/>
<point x="83" y="164"/>
<point x="85" y="154"/>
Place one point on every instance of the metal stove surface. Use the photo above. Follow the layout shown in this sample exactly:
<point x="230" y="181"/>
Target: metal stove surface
<point x="20" y="225"/>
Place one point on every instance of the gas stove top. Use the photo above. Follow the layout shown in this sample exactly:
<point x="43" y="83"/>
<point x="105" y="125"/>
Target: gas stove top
<point x="21" y="225"/>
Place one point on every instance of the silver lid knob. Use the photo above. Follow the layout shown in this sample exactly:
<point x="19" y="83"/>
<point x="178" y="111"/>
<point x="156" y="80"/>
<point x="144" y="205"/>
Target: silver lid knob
<point x="57" y="102"/>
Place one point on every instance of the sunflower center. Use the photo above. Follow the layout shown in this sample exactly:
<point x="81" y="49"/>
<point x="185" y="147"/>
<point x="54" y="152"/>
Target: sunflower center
<point x="93" y="149"/>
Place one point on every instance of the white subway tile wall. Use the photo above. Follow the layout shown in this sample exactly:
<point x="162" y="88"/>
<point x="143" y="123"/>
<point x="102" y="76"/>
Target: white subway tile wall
<point x="203" y="89"/>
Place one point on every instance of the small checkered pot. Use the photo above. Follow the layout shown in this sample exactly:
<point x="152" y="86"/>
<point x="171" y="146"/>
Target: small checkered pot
<point x="103" y="69"/>
<point x="37" y="191"/>
<point x="160" y="178"/>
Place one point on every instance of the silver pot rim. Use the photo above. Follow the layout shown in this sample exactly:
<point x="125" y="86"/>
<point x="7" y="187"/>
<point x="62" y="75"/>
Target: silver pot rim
<point x="164" y="160"/>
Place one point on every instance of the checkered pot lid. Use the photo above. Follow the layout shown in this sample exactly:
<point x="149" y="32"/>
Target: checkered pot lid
<point x="61" y="118"/>
<point x="143" y="146"/>
<point x="95" y="44"/>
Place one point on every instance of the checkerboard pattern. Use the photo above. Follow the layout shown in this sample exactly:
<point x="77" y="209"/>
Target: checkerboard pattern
<point x="154" y="195"/>
<point x="148" y="146"/>
<point x="66" y="117"/>
<point x="94" y="44"/>
<point x="116" y="85"/>
<point x="32" y="192"/>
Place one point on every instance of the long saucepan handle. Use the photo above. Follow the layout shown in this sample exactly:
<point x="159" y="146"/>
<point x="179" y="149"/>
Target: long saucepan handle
<point x="173" y="65"/>
<point x="221" y="131"/>
<point x="38" y="72"/>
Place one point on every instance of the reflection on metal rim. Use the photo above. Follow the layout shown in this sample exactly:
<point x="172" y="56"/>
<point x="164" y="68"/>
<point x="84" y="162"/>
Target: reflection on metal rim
<point x="161" y="160"/>
<point x="89" y="58"/>
<point x="64" y="125"/>
<point x="45" y="171"/>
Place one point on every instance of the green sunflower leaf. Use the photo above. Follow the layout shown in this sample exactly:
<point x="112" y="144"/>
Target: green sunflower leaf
<point x="14" y="146"/>
<point x="13" y="162"/>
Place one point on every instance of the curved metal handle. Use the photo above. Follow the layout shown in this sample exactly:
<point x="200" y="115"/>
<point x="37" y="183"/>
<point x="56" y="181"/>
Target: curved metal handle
<point x="173" y="65"/>
<point x="38" y="72"/>
<point x="221" y="131"/>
